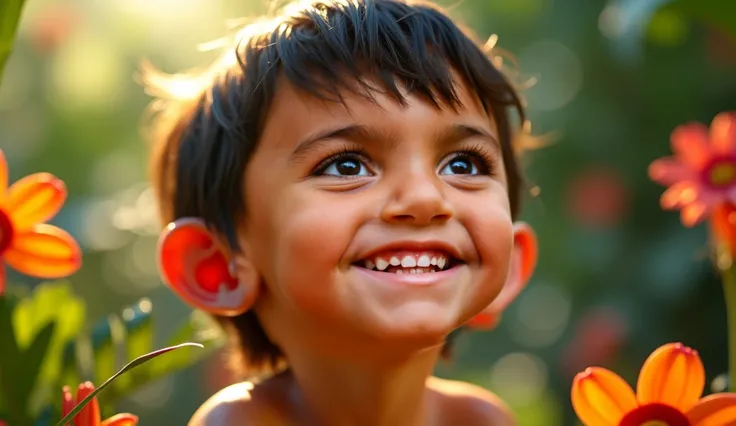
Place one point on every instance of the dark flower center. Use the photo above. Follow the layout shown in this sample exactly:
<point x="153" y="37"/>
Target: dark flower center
<point x="6" y="231"/>
<point x="655" y="415"/>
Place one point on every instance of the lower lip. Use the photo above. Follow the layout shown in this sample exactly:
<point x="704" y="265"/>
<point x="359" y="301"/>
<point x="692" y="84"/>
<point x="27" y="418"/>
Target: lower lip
<point x="423" y="279"/>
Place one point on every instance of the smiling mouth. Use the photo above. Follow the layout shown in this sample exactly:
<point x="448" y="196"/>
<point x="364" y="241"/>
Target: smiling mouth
<point x="403" y="262"/>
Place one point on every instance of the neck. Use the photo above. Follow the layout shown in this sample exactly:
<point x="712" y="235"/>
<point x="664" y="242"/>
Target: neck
<point x="377" y="392"/>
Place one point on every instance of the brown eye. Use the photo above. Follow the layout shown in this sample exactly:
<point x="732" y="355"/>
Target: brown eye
<point x="463" y="164"/>
<point x="346" y="165"/>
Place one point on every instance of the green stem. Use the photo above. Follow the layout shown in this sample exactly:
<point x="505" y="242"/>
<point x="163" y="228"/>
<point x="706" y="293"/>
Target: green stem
<point x="729" y="290"/>
<point x="10" y="12"/>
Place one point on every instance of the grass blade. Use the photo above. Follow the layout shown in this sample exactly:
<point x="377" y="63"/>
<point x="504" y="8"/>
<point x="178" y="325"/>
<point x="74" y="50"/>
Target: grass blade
<point x="131" y="365"/>
<point x="10" y="11"/>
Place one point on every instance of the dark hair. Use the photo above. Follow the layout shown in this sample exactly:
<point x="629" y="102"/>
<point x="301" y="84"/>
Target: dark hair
<point x="207" y="136"/>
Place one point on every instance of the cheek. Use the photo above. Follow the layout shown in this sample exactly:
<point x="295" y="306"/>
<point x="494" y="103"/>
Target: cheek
<point x="306" y="243"/>
<point x="491" y="230"/>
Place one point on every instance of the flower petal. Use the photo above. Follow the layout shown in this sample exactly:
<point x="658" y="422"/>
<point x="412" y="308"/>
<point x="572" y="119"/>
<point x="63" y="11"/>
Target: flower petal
<point x="673" y="375"/>
<point x="667" y="171"/>
<point x="67" y="401"/>
<point x="690" y="143"/>
<point x="714" y="410"/>
<point x="3" y="177"/>
<point x="723" y="133"/>
<point x="601" y="398"/>
<point x="694" y="213"/>
<point x="44" y="251"/>
<point x="90" y="414"/>
<point x="35" y="199"/>
<point x="123" y="419"/>
<point x="680" y="194"/>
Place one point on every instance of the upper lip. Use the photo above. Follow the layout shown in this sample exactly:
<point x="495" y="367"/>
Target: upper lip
<point x="415" y="245"/>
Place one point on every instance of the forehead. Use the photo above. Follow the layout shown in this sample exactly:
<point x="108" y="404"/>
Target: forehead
<point x="294" y="111"/>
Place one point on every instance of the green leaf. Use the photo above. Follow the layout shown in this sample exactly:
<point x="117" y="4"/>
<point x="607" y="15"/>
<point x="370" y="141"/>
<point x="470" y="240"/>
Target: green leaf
<point x="106" y="337"/>
<point x="139" y="327"/>
<point x="10" y="11"/>
<point x="50" y="302"/>
<point x="198" y="328"/>
<point x="131" y="365"/>
<point x="132" y="335"/>
<point x="129" y="335"/>
<point x="30" y="367"/>
<point x="10" y="353"/>
<point x="10" y="358"/>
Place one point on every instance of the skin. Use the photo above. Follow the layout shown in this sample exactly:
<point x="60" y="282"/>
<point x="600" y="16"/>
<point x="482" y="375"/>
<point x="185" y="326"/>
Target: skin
<point x="362" y="345"/>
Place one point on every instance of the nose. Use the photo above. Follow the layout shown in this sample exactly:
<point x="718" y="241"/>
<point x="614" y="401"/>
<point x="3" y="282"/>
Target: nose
<point x="417" y="199"/>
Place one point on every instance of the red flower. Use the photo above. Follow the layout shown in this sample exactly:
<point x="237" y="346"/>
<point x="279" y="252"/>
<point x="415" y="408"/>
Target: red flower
<point x="90" y="414"/>
<point x="702" y="174"/>
<point x="27" y="244"/>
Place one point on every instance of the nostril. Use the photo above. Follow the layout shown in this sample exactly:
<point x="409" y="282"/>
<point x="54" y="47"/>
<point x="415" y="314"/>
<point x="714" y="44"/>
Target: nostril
<point x="423" y="220"/>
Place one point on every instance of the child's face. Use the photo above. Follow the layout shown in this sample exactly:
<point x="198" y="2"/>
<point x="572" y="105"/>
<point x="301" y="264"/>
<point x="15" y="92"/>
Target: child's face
<point x="332" y="193"/>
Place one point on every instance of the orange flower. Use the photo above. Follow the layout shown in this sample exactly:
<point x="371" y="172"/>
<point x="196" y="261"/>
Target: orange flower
<point x="90" y="414"/>
<point x="26" y="244"/>
<point x="702" y="174"/>
<point x="669" y="392"/>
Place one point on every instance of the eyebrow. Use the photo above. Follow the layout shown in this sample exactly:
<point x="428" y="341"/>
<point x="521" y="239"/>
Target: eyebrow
<point x="352" y="132"/>
<point x="361" y="133"/>
<point x="458" y="132"/>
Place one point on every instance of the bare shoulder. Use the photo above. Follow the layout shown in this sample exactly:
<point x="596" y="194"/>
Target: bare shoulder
<point x="232" y="405"/>
<point x="464" y="403"/>
<point x="239" y="404"/>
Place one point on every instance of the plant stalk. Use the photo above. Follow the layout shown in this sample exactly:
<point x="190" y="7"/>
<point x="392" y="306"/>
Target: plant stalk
<point x="729" y="291"/>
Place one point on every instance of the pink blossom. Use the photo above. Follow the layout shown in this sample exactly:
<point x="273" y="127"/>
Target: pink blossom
<point x="702" y="173"/>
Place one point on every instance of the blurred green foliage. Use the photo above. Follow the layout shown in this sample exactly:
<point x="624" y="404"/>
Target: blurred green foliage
<point x="45" y="347"/>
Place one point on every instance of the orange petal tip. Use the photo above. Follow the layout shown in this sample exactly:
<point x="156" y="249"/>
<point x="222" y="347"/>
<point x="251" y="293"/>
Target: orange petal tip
<point x="122" y="419"/>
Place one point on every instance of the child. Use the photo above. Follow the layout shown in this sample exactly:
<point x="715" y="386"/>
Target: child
<point x="343" y="187"/>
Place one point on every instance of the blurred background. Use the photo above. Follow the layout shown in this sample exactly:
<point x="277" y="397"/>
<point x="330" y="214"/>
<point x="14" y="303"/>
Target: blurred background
<point x="617" y="276"/>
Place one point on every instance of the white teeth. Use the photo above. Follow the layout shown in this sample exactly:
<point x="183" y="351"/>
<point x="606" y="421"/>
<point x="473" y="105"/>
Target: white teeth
<point x="399" y="272"/>
<point x="408" y="262"/>
<point x="381" y="264"/>
<point x="411" y="264"/>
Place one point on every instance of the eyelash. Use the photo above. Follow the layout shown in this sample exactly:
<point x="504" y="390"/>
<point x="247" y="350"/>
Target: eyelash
<point x="345" y="152"/>
<point x="487" y="159"/>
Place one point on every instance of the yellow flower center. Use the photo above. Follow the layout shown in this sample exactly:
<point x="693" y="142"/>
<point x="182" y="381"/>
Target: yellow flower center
<point x="723" y="173"/>
<point x="6" y="231"/>
<point x="655" y="423"/>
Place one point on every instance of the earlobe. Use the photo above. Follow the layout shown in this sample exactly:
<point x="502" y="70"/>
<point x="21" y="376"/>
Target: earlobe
<point x="194" y="265"/>
<point x="523" y="261"/>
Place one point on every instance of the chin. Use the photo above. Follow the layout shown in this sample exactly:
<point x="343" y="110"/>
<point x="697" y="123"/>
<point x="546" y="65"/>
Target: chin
<point x="420" y="326"/>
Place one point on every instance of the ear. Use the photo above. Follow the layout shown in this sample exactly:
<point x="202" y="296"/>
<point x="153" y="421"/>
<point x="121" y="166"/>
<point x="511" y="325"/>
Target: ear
<point x="195" y="266"/>
<point x="523" y="262"/>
